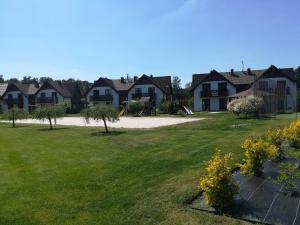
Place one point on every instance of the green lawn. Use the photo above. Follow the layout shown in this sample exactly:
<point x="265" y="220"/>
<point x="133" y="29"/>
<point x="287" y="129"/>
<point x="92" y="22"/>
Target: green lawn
<point x="78" y="176"/>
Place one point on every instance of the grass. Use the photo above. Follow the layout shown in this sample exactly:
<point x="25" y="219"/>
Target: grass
<point x="80" y="176"/>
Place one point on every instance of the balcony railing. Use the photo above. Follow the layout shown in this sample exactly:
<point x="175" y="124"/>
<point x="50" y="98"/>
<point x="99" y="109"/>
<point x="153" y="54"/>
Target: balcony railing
<point x="13" y="101"/>
<point x="214" y="93"/>
<point x="46" y="100"/>
<point x="140" y="95"/>
<point x="101" y="98"/>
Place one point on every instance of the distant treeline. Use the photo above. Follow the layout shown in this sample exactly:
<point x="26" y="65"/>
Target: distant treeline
<point x="83" y="84"/>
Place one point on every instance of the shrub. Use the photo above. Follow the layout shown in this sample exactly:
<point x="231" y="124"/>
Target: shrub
<point x="248" y="106"/>
<point x="288" y="176"/>
<point x="257" y="152"/>
<point x="218" y="186"/>
<point x="277" y="138"/>
<point x="165" y="107"/>
<point x="292" y="132"/>
<point x="181" y="113"/>
<point x="135" y="107"/>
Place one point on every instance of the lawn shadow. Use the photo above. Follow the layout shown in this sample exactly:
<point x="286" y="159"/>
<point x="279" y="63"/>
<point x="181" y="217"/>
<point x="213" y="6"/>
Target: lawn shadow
<point x="54" y="129"/>
<point x="110" y="133"/>
<point x="18" y="126"/>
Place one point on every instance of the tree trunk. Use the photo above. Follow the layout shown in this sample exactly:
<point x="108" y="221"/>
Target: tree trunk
<point x="50" y="122"/>
<point x="103" y="118"/>
<point x="13" y="118"/>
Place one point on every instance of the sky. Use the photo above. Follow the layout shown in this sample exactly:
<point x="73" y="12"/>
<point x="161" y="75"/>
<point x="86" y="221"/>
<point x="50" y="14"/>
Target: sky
<point x="111" y="38"/>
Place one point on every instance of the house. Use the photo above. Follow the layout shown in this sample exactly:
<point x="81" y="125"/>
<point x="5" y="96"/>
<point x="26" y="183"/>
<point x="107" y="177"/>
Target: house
<point x="212" y="91"/>
<point x="20" y="96"/>
<point x="54" y="92"/>
<point x="109" y="91"/>
<point x="3" y="87"/>
<point x="156" y="88"/>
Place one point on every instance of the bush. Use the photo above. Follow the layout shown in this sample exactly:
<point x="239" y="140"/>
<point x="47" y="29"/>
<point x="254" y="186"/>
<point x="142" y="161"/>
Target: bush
<point x="277" y="138"/>
<point x="165" y="107"/>
<point x="218" y="186"/>
<point x="288" y="177"/>
<point x="135" y="107"/>
<point x="248" y="106"/>
<point x="181" y="113"/>
<point x="257" y="152"/>
<point x="292" y="132"/>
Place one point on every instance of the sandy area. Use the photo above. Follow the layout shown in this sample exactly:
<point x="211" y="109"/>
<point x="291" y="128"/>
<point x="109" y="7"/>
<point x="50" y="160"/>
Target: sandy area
<point x="124" y="122"/>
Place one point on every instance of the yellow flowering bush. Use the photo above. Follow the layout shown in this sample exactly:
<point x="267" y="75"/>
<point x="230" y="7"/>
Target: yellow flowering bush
<point x="292" y="132"/>
<point x="218" y="186"/>
<point x="277" y="138"/>
<point x="257" y="151"/>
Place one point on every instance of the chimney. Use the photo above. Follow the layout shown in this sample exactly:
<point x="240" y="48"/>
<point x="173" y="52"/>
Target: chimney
<point x="249" y="72"/>
<point x="231" y="72"/>
<point x="135" y="78"/>
<point x="122" y="80"/>
<point x="151" y="76"/>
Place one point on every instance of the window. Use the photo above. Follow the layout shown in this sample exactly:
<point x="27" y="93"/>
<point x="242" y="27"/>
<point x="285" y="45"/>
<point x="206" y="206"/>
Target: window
<point x="281" y="87"/>
<point x="263" y="85"/>
<point x="151" y="90"/>
<point x="43" y="95"/>
<point x="222" y="86"/>
<point x="54" y="97"/>
<point x="107" y="92"/>
<point x="96" y="93"/>
<point x="206" y="87"/>
<point x="138" y="90"/>
<point x="9" y="96"/>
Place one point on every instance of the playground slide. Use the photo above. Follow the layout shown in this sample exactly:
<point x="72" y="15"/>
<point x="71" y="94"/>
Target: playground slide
<point x="187" y="110"/>
<point x="122" y="111"/>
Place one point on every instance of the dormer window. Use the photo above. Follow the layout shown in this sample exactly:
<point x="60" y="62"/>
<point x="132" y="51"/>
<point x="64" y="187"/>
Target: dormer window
<point x="107" y="92"/>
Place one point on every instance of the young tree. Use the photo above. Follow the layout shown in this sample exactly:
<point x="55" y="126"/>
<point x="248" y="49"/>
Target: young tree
<point x="50" y="113"/>
<point x="101" y="112"/>
<point x="14" y="114"/>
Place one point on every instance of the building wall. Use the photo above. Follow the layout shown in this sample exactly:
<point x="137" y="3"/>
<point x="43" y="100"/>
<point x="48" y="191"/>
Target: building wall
<point x="272" y="83"/>
<point x="48" y="94"/>
<point x="115" y="95"/>
<point x="15" y="95"/>
<point x="159" y="94"/>
<point x="214" y="101"/>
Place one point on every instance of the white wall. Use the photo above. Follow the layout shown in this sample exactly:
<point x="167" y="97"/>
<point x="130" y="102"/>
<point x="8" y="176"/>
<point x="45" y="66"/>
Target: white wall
<point x="159" y="94"/>
<point x="101" y="90"/>
<point x="272" y="83"/>
<point x="214" y="101"/>
<point x="15" y="95"/>
<point x="48" y="94"/>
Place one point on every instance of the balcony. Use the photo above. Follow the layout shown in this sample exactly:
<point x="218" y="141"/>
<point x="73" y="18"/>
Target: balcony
<point x="46" y="100"/>
<point x="101" y="98"/>
<point x="13" y="101"/>
<point x="140" y="95"/>
<point x="214" y="93"/>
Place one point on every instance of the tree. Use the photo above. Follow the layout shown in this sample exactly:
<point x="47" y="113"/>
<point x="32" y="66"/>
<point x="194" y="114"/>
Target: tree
<point x="101" y="112"/>
<point x="2" y="79"/>
<point x="14" y="114"/>
<point x="44" y="79"/>
<point x="176" y="87"/>
<point x="51" y="112"/>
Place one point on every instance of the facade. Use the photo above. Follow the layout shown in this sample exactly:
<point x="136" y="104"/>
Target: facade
<point x="54" y="92"/>
<point x="109" y="91"/>
<point x="19" y="96"/>
<point x="3" y="87"/>
<point x="213" y="91"/>
<point x="156" y="88"/>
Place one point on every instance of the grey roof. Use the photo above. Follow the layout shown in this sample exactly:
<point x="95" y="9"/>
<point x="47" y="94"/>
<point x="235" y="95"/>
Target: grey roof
<point x="242" y="77"/>
<point x="3" y="88"/>
<point x="163" y="83"/>
<point x="27" y="89"/>
<point x="59" y="87"/>
<point x="122" y="86"/>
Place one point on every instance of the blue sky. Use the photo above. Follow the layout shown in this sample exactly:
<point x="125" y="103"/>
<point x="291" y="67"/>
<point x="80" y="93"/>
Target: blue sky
<point x="88" y="39"/>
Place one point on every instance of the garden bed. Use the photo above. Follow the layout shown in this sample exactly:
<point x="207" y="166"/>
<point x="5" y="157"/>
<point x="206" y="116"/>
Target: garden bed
<point x="260" y="199"/>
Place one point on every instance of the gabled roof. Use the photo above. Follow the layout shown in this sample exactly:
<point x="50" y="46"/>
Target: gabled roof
<point x="26" y="89"/>
<point x="3" y="87"/>
<point x="245" y="77"/>
<point x="163" y="83"/>
<point x="72" y="87"/>
<point x="58" y="86"/>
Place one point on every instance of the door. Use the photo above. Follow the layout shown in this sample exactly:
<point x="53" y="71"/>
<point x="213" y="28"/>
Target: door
<point x="223" y="104"/>
<point x="206" y="104"/>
